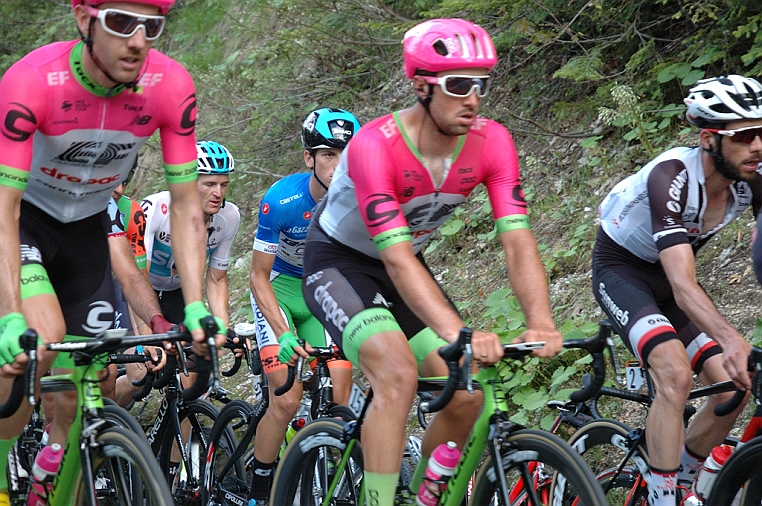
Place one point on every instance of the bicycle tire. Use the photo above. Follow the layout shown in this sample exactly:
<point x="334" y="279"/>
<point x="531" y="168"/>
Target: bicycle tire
<point x="604" y="445"/>
<point x="185" y="483"/>
<point x="742" y="470"/>
<point x="125" y="472"/>
<point x="319" y="443"/>
<point x="120" y="417"/>
<point x="538" y="454"/>
<point x="341" y="413"/>
<point x="222" y="444"/>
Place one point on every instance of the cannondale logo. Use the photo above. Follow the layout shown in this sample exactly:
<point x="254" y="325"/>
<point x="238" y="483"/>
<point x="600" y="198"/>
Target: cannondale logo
<point x="91" y="153"/>
<point x="95" y="324"/>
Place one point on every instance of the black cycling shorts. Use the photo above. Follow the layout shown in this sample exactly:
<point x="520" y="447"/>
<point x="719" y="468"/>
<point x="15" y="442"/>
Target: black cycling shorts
<point x="638" y="299"/>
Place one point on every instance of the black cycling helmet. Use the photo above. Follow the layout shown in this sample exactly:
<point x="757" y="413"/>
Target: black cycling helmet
<point x="328" y="128"/>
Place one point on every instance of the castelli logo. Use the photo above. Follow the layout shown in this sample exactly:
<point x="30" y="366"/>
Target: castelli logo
<point x="265" y="208"/>
<point x="164" y="208"/>
<point x="307" y="215"/>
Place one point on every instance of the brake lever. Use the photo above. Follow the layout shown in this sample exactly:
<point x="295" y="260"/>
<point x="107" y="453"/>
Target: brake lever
<point x="468" y="360"/>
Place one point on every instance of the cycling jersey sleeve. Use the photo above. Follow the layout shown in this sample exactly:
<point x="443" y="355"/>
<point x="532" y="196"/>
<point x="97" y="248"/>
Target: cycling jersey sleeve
<point x="220" y="257"/>
<point x="116" y="217"/>
<point x="667" y="196"/>
<point x="154" y="219"/>
<point x="503" y="180"/>
<point x="371" y="168"/>
<point x="22" y="109"/>
<point x="178" y="141"/>
<point x="135" y="226"/>
<point x="269" y="225"/>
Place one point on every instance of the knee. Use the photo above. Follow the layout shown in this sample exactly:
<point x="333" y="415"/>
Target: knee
<point x="673" y="385"/>
<point x="284" y="407"/>
<point x="465" y="407"/>
<point x="396" y="385"/>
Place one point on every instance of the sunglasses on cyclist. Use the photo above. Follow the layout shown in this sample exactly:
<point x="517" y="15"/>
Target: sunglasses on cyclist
<point x="125" y="24"/>
<point x="741" y="135"/>
<point x="461" y="86"/>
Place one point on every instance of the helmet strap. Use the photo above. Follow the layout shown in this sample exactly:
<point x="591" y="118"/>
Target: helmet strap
<point x="719" y="161"/>
<point x="89" y="44"/>
<point x="426" y="103"/>
<point x="314" y="172"/>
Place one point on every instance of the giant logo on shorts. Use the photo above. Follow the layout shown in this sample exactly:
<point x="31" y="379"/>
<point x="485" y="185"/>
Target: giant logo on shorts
<point x="95" y="324"/>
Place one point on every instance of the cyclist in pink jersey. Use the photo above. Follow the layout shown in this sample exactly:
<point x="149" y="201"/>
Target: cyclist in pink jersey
<point x="364" y="276"/>
<point x="73" y="116"/>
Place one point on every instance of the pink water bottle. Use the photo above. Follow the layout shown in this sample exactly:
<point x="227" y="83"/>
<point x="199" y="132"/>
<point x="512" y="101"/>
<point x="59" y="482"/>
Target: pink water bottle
<point x="442" y="463"/>
<point x="45" y="468"/>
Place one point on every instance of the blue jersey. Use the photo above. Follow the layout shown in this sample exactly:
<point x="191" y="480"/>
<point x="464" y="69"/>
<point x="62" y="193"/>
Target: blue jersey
<point x="284" y="216"/>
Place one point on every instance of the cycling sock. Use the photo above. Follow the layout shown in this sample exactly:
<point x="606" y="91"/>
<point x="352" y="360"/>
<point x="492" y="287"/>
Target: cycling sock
<point x="380" y="489"/>
<point x="417" y="479"/>
<point x="690" y="463"/>
<point x="260" y="481"/>
<point x="6" y="445"/>
<point x="662" y="490"/>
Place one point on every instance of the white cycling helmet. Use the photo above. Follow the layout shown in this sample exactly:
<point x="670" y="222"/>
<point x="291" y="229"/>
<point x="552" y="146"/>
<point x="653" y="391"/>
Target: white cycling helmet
<point x="719" y="100"/>
<point x="214" y="159"/>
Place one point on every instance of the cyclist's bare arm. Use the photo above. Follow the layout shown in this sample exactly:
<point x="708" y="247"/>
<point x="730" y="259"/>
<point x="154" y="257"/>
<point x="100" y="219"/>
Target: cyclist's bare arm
<point x="10" y="261"/>
<point x="217" y="293"/>
<point x="679" y="264"/>
<point x="189" y="235"/>
<point x="137" y="290"/>
<point x="259" y="283"/>
<point x="529" y="283"/>
<point x="422" y="294"/>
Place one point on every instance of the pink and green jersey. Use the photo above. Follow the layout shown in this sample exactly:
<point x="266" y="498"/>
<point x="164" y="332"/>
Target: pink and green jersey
<point x="382" y="175"/>
<point x="69" y="142"/>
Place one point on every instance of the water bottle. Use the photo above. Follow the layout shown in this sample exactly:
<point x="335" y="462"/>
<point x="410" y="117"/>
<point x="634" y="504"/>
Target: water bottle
<point x="705" y="477"/>
<point x="44" y="469"/>
<point x="296" y="424"/>
<point x="441" y="465"/>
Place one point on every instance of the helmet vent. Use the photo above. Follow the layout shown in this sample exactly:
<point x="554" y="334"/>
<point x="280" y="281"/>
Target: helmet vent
<point x="441" y="48"/>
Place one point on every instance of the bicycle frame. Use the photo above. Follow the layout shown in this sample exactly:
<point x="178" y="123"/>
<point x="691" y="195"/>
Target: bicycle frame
<point x="83" y="432"/>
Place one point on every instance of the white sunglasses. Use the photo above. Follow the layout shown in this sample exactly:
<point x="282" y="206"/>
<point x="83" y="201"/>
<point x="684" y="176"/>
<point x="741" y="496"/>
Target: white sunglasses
<point x="461" y="86"/>
<point x="125" y="24"/>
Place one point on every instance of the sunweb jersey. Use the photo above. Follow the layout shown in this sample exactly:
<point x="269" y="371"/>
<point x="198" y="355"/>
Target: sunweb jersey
<point x="69" y="142"/>
<point x="221" y="231"/>
<point x="284" y="217"/>
<point x="663" y="204"/>
<point x="383" y="176"/>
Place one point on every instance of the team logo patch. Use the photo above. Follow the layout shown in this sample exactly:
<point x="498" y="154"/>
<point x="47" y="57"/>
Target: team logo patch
<point x="307" y="215"/>
<point x="265" y="208"/>
<point x="164" y="208"/>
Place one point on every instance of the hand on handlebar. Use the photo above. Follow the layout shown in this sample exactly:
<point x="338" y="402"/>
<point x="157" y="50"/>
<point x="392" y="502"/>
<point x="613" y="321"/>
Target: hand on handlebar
<point x="158" y="358"/>
<point x="553" y="339"/>
<point x="12" y="356"/>
<point x="735" y="356"/>
<point x="194" y="313"/>
<point x="486" y="347"/>
<point x="290" y="350"/>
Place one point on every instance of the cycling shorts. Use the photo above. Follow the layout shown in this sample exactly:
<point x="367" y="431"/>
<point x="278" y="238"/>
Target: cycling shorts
<point x="354" y="297"/>
<point x="296" y="314"/>
<point x="71" y="261"/>
<point x="638" y="299"/>
<point x="172" y="305"/>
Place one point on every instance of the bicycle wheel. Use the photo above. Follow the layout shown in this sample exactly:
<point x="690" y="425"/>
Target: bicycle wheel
<point x="125" y="472"/>
<point x="120" y="417"/>
<point x="312" y="471"/>
<point x="184" y="475"/>
<point x="540" y="468"/>
<point x="742" y="472"/>
<point x="235" y="482"/>
<point x="604" y="445"/>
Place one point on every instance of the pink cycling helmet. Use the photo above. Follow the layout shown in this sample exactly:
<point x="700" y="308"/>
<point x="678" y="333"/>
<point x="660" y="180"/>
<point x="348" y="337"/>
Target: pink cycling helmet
<point x="445" y="44"/>
<point x="163" y="5"/>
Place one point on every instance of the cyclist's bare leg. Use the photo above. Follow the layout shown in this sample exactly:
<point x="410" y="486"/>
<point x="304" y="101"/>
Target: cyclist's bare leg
<point x="672" y="377"/>
<point x="707" y="430"/>
<point x="341" y="379"/>
<point x="272" y="427"/>
<point x="390" y="366"/>
<point x="455" y="421"/>
<point x="43" y="314"/>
